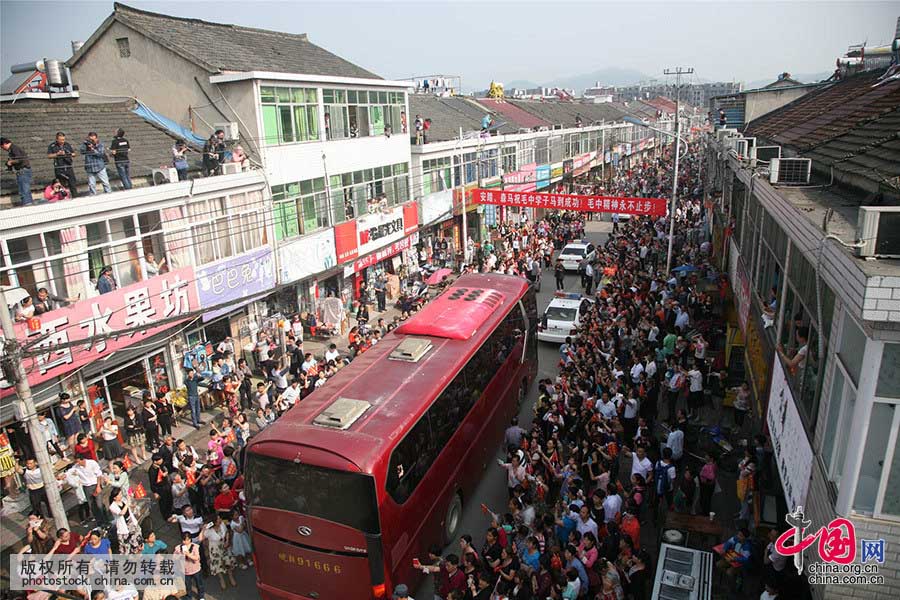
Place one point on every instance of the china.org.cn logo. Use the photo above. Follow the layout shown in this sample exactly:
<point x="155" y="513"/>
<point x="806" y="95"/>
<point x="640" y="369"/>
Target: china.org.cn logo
<point x="837" y="550"/>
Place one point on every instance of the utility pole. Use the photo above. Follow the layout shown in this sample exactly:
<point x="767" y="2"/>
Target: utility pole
<point x="677" y="72"/>
<point x="15" y="369"/>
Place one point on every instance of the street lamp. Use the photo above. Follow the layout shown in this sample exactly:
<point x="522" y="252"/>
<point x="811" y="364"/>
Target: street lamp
<point x="679" y="141"/>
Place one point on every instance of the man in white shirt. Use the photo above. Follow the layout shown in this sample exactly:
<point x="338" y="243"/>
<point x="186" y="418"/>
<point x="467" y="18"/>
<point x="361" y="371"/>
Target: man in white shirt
<point x="290" y="396"/>
<point x="675" y="442"/>
<point x="90" y="477"/>
<point x="188" y="522"/>
<point x="606" y="408"/>
<point x="636" y="371"/>
<point x="226" y="346"/>
<point x="585" y="524"/>
<point x="612" y="505"/>
<point x="309" y="362"/>
<point x="682" y="320"/>
<point x="332" y="354"/>
<point x="640" y="464"/>
<point x="695" y="400"/>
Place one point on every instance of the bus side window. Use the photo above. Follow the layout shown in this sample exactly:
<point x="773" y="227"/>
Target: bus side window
<point x="410" y="461"/>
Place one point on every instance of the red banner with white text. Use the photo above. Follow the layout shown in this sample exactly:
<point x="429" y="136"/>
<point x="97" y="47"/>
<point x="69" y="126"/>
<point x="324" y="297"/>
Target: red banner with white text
<point x="655" y="207"/>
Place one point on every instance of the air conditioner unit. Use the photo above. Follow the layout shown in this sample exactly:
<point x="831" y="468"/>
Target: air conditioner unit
<point x="725" y="132"/>
<point x="165" y="175"/>
<point x="231" y="130"/>
<point x="683" y="574"/>
<point x="751" y="143"/>
<point x="790" y="171"/>
<point x="741" y="147"/>
<point x="231" y="168"/>
<point x="879" y="229"/>
<point x="764" y="154"/>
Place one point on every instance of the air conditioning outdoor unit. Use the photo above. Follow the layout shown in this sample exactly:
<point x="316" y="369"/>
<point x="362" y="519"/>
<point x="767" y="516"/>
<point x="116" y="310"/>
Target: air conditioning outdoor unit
<point x="790" y="171"/>
<point x="683" y="574"/>
<point x="231" y="168"/>
<point x="231" y="130"/>
<point x="879" y="229"/>
<point x="764" y="154"/>
<point x="741" y="147"/>
<point x="725" y="132"/>
<point x="165" y="175"/>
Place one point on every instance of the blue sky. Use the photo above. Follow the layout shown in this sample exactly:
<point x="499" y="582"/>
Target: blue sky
<point x="506" y="41"/>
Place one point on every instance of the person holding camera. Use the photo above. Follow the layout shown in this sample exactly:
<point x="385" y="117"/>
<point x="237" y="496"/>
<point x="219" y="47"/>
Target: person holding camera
<point x="56" y="192"/>
<point x="94" y="153"/>
<point x="18" y="163"/>
<point x="62" y="153"/>
<point x="119" y="148"/>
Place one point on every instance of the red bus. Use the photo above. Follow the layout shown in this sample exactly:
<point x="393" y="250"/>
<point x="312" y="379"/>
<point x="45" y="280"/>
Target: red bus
<point x="367" y="472"/>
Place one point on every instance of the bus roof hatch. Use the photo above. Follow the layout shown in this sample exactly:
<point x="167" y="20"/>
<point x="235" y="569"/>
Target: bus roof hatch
<point x="342" y="413"/>
<point x="456" y="314"/>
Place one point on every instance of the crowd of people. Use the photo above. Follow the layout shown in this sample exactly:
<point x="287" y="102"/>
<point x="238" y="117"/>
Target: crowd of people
<point x="96" y="158"/>
<point x="598" y="461"/>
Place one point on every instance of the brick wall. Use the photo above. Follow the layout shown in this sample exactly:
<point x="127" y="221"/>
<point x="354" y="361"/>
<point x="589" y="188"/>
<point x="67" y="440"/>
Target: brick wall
<point x="882" y="299"/>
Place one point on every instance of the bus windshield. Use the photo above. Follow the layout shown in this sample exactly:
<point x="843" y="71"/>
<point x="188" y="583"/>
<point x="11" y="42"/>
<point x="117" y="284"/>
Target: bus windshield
<point x="339" y="496"/>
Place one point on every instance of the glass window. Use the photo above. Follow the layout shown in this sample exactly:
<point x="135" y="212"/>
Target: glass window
<point x="339" y="496"/>
<point x="852" y="347"/>
<point x="870" y="470"/>
<point x="289" y="114"/>
<point x="891" y="503"/>
<point x="840" y="412"/>
<point x="889" y="374"/>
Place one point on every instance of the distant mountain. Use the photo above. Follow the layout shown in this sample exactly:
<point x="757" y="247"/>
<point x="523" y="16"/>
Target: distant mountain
<point x="608" y="76"/>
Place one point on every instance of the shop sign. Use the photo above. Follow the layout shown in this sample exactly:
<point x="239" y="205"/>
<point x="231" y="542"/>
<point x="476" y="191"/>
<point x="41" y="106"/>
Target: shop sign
<point x="556" y="171"/>
<point x="522" y="180"/>
<point x="568" y="169"/>
<point x="7" y="457"/>
<point x="307" y="256"/>
<point x="139" y="305"/>
<point x="345" y="243"/>
<point x="793" y="453"/>
<point x="410" y="217"/>
<point x="379" y="255"/>
<point x="542" y="176"/>
<point x="239" y="279"/>
<point x="437" y="207"/>
<point x="741" y="286"/>
<point x="616" y="204"/>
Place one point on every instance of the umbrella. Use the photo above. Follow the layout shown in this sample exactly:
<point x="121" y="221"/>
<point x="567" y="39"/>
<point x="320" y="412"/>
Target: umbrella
<point x="438" y="276"/>
<point x="14" y="295"/>
<point x="685" y="269"/>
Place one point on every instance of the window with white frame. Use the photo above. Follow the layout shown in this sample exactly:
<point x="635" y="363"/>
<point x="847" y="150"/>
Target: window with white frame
<point x="362" y="113"/>
<point x="300" y="208"/>
<point x="878" y="485"/>
<point x="509" y="159"/>
<point x="436" y="175"/>
<point x="368" y="190"/>
<point x="290" y="114"/>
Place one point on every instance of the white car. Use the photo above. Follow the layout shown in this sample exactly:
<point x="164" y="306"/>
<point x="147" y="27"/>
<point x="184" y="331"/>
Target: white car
<point x="574" y="253"/>
<point x="561" y="317"/>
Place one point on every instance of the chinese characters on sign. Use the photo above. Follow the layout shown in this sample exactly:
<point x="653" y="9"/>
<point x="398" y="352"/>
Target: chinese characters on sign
<point x="632" y="206"/>
<point x="138" y="306"/>
<point x="246" y="275"/>
<point x="793" y="454"/>
<point x="836" y="548"/>
<point x="90" y="571"/>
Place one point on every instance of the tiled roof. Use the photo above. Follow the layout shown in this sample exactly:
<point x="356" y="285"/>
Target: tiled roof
<point x="565" y="113"/>
<point x="513" y="114"/>
<point x="828" y="112"/>
<point x="219" y="47"/>
<point x="448" y="115"/>
<point x="663" y="104"/>
<point x="33" y="126"/>
<point x="636" y="109"/>
<point x="852" y="125"/>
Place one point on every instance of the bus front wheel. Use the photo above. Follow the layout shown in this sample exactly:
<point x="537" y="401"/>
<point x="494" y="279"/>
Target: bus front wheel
<point x="453" y="519"/>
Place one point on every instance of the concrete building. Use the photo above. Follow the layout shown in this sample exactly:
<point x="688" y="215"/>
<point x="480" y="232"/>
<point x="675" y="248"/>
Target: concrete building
<point x="815" y="270"/>
<point x="743" y="107"/>
<point x="332" y="137"/>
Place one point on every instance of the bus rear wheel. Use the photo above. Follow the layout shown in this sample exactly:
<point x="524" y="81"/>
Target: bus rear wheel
<point x="453" y="519"/>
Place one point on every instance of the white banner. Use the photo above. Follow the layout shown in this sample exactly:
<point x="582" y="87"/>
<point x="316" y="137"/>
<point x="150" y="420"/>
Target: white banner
<point x="307" y="256"/>
<point x="793" y="454"/>
<point x="437" y="206"/>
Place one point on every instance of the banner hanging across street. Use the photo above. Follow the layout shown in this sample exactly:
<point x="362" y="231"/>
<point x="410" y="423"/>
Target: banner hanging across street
<point x="615" y="204"/>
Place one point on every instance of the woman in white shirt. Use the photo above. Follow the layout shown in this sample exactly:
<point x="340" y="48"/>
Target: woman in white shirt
<point x="110" y="435"/>
<point x="127" y="527"/>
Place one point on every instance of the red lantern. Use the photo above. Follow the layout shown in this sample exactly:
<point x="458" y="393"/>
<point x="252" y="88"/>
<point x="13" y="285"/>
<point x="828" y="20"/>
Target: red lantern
<point x="34" y="324"/>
